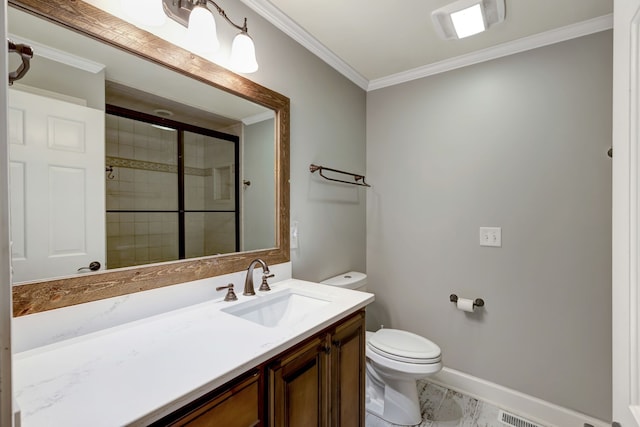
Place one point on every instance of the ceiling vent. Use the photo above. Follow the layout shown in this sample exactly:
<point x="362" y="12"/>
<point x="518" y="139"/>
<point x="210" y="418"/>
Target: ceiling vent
<point x="465" y="18"/>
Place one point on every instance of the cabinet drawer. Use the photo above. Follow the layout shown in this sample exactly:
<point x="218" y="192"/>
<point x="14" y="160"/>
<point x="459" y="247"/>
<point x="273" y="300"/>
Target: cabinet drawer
<point x="237" y="406"/>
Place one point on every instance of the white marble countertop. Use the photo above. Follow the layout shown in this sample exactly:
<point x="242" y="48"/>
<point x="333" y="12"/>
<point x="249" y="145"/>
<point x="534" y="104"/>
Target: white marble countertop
<point x="138" y="372"/>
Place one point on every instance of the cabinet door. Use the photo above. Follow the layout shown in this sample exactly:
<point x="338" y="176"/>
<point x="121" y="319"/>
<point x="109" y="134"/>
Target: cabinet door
<point x="298" y="393"/>
<point x="348" y="373"/>
<point x="236" y="406"/>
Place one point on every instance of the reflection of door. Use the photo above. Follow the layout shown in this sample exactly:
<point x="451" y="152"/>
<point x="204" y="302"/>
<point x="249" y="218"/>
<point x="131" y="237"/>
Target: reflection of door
<point x="626" y="217"/>
<point x="57" y="186"/>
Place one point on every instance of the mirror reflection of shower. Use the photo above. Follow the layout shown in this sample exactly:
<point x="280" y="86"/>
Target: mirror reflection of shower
<point x="174" y="192"/>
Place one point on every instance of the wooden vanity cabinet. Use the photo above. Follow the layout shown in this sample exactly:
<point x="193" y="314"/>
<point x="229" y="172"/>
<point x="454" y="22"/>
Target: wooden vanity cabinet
<point x="237" y="404"/>
<point x="321" y="383"/>
<point x="348" y="391"/>
<point x="298" y="386"/>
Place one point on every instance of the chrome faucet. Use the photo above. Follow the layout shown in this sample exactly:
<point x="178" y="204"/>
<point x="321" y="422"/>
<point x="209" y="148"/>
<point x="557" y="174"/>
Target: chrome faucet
<point x="248" y="282"/>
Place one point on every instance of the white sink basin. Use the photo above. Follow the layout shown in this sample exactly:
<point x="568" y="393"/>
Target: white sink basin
<point x="285" y="307"/>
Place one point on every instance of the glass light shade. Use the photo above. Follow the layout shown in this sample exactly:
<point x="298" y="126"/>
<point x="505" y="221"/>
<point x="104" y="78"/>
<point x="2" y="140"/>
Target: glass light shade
<point x="469" y="21"/>
<point x="243" y="54"/>
<point x="201" y="32"/>
<point x="144" y="12"/>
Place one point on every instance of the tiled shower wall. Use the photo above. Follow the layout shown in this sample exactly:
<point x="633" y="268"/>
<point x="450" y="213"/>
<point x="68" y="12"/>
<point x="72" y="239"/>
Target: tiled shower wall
<point x="144" y="177"/>
<point x="140" y="238"/>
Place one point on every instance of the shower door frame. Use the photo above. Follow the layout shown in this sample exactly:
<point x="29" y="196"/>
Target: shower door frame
<point x="181" y="210"/>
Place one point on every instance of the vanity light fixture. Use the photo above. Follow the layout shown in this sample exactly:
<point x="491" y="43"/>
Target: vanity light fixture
<point x="202" y="35"/>
<point x="201" y="30"/>
<point x="465" y="18"/>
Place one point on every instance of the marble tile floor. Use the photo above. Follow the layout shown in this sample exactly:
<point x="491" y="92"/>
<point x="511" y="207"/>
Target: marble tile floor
<point x="442" y="407"/>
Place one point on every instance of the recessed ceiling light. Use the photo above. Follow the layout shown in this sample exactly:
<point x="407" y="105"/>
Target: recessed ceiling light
<point x="163" y="113"/>
<point x="467" y="17"/>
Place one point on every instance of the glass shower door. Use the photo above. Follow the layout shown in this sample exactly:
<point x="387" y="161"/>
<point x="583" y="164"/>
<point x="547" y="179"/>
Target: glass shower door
<point x="210" y="195"/>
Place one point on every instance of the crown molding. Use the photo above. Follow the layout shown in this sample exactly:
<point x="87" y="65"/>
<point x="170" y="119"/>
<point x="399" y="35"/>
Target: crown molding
<point x="257" y="118"/>
<point x="272" y="14"/>
<point x="558" y="35"/>
<point x="281" y="21"/>
<point x="63" y="57"/>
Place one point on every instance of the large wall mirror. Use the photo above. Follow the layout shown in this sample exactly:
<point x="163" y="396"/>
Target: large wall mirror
<point x="164" y="167"/>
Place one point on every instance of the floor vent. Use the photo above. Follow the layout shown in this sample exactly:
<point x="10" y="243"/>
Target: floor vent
<point x="515" y="421"/>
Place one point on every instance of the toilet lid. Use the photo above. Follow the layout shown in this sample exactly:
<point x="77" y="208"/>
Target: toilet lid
<point x="404" y="346"/>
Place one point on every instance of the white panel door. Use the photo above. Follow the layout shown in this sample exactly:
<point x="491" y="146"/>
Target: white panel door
<point x="57" y="186"/>
<point x="626" y="218"/>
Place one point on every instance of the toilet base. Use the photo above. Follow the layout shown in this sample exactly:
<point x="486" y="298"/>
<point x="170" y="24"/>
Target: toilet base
<point x="396" y="401"/>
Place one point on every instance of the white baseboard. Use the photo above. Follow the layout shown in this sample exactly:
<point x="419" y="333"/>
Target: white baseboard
<point x="532" y="408"/>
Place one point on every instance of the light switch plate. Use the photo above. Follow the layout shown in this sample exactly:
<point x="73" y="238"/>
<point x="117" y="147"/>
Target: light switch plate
<point x="491" y="236"/>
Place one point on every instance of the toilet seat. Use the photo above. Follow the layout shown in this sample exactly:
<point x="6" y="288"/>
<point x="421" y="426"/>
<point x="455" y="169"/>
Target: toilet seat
<point x="395" y="361"/>
<point x="403" y="346"/>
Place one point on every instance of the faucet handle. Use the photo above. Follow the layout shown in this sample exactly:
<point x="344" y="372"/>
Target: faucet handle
<point x="264" y="286"/>
<point x="231" y="295"/>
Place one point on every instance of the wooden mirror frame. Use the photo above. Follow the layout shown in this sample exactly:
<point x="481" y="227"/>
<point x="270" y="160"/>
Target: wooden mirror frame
<point x="33" y="297"/>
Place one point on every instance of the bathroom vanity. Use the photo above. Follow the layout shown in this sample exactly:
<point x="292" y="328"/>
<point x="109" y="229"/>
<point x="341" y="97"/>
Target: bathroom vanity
<point x="292" y="356"/>
<point x="318" y="382"/>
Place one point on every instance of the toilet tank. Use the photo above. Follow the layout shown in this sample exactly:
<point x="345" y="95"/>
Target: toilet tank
<point x="350" y="280"/>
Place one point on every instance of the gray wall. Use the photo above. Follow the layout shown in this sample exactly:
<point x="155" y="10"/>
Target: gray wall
<point x="258" y="213"/>
<point x="327" y="128"/>
<point x="518" y="143"/>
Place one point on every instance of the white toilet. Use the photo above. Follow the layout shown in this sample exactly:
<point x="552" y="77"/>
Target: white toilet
<point x="396" y="359"/>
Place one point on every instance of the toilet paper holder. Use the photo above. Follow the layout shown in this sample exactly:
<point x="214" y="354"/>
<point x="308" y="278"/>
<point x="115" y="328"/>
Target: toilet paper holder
<point x="478" y="302"/>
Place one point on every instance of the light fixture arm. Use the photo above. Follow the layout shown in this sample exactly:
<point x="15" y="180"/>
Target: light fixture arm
<point x="179" y="11"/>
<point x="222" y="13"/>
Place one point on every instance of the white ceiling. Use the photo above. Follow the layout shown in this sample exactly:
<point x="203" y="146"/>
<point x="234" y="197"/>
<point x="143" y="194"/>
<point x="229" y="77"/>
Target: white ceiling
<point x="378" y="43"/>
